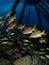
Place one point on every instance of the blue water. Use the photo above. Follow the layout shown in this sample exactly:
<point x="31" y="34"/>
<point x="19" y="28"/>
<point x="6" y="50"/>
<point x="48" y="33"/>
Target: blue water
<point x="5" y="7"/>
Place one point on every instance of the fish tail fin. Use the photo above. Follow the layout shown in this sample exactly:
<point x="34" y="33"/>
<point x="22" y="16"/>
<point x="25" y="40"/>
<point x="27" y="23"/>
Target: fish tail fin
<point x="44" y="33"/>
<point x="24" y="26"/>
<point x="15" y="25"/>
<point x="35" y="28"/>
<point x="44" y="40"/>
<point x="14" y="16"/>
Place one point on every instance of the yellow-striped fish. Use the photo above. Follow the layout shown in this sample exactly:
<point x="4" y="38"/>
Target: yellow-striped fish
<point x="42" y="40"/>
<point x="11" y="19"/>
<point x="37" y="34"/>
<point x="21" y="26"/>
<point x="11" y="26"/>
<point x="29" y="30"/>
<point x="3" y="22"/>
<point x="8" y="15"/>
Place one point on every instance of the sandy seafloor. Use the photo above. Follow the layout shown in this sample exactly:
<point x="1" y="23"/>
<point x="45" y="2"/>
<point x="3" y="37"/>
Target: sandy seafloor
<point x="25" y="61"/>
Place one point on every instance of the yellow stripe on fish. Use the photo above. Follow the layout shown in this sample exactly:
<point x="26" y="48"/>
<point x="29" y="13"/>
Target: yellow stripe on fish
<point x="21" y="26"/>
<point x="42" y="40"/>
<point x="11" y="26"/>
<point x="37" y="34"/>
<point x="29" y="30"/>
<point x="11" y="19"/>
<point x="8" y="15"/>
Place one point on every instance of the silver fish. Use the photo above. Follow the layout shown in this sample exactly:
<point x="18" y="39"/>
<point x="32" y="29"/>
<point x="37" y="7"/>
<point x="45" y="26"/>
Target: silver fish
<point x="12" y="33"/>
<point x="31" y="45"/>
<point x="47" y="49"/>
<point x="4" y="42"/>
<point x="21" y="26"/>
<point x="37" y="34"/>
<point x="42" y="57"/>
<point x="4" y="39"/>
<point x="29" y="30"/>
<point x="41" y="52"/>
<point x="28" y="47"/>
<point x="11" y="19"/>
<point x="35" y="52"/>
<point x="26" y="41"/>
<point x="1" y="17"/>
<point x="47" y="56"/>
<point x="25" y="44"/>
<point x="9" y="14"/>
<point x="24" y="48"/>
<point x="42" y="49"/>
<point x="42" y="40"/>
<point x="10" y="43"/>
<point x="11" y="26"/>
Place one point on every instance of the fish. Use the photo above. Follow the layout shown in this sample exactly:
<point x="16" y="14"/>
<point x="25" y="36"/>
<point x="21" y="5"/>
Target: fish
<point x="25" y="44"/>
<point x="4" y="39"/>
<point x="28" y="47"/>
<point x="41" y="52"/>
<point x="11" y="26"/>
<point x="35" y="52"/>
<point x="21" y="26"/>
<point x="47" y="49"/>
<point x="4" y="42"/>
<point x="26" y="41"/>
<point x="0" y="22"/>
<point x="19" y="42"/>
<point x="42" y="40"/>
<point x="12" y="33"/>
<point x="47" y="56"/>
<point x="37" y="34"/>
<point x="42" y="57"/>
<point x="11" y="19"/>
<point x="10" y="43"/>
<point x="1" y="17"/>
<point x="41" y="49"/>
<point x="8" y="15"/>
<point x="24" y="48"/>
<point x="29" y="30"/>
<point x="31" y="45"/>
